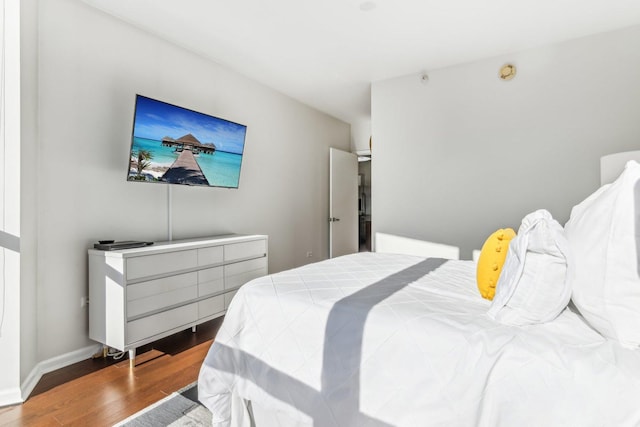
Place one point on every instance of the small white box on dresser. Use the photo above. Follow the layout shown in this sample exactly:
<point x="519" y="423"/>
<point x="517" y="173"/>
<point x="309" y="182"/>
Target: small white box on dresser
<point x="140" y="295"/>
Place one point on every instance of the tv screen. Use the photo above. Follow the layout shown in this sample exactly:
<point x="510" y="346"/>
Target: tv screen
<point x="175" y="145"/>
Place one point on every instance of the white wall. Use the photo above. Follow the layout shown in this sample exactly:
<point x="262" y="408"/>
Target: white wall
<point x="467" y="153"/>
<point x="90" y="68"/>
<point x="9" y="201"/>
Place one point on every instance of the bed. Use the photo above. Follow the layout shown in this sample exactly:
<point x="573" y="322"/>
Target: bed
<point x="392" y="339"/>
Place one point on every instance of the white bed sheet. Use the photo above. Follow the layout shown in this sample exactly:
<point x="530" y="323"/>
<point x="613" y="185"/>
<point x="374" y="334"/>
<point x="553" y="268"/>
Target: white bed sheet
<point x="383" y="339"/>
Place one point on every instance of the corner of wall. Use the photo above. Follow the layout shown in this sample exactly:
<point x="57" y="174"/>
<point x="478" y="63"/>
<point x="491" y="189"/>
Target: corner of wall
<point x="360" y="134"/>
<point x="10" y="396"/>
<point x="51" y="365"/>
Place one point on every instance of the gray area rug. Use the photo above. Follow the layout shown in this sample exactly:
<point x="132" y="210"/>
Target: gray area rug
<point x="178" y="409"/>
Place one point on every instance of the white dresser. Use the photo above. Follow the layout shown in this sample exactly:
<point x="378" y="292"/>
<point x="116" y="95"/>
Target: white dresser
<point x="140" y="295"/>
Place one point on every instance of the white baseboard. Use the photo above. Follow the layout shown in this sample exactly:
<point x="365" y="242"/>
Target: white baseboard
<point x="52" y="364"/>
<point x="10" y="396"/>
<point x="30" y="382"/>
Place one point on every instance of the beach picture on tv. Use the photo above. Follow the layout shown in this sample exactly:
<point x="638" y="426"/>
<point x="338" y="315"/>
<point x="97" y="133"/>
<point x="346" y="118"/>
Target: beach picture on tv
<point x="176" y="145"/>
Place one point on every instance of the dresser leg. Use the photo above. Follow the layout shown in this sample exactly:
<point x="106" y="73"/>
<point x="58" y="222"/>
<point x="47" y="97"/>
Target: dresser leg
<point x="132" y="358"/>
<point x="193" y="328"/>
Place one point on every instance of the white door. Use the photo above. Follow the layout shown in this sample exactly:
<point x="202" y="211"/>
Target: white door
<point x="343" y="203"/>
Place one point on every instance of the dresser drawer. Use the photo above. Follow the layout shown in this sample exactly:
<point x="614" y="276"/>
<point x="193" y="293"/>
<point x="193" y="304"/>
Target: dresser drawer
<point x="151" y="265"/>
<point x="239" y="273"/>
<point x="244" y="250"/>
<point x="145" y="297"/>
<point x="228" y="297"/>
<point x="166" y="284"/>
<point x="210" y="281"/>
<point x="158" y="323"/>
<point x="211" y="306"/>
<point x="209" y="256"/>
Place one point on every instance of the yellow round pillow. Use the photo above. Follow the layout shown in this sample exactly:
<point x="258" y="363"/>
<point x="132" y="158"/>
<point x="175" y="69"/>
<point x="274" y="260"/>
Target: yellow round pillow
<point x="492" y="256"/>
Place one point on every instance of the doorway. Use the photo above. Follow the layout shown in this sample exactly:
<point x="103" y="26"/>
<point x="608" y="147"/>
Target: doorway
<point x="364" y="203"/>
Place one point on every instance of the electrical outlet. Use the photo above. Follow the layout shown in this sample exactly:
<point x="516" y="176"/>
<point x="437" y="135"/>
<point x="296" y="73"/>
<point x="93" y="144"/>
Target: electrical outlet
<point x="84" y="301"/>
<point x="309" y="254"/>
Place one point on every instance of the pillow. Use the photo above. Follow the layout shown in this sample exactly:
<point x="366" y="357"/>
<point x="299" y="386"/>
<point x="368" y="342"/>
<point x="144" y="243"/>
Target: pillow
<point x="604" y="235"/>
<point x="536" y="279"/>
<point x="490" y="261"/>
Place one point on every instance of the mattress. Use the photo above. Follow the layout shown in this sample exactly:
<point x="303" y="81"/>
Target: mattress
<point x="374" y="339"/>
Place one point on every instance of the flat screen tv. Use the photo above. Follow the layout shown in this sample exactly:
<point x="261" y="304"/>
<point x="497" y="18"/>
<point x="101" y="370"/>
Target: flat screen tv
<point x="175" y="145"/>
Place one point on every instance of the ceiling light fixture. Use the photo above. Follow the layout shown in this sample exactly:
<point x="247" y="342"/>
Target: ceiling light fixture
<point x="368" y="6"/>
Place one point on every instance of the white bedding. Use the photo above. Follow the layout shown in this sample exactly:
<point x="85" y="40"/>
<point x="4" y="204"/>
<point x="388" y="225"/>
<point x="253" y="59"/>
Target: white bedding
<point x="383" y="339"/>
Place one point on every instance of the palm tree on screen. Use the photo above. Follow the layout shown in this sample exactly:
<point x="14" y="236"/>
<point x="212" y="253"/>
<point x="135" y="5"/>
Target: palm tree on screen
<point x="144" y="160"/>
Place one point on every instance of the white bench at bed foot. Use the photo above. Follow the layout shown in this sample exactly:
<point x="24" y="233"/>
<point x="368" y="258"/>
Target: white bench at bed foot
<point x="390" y="243"/>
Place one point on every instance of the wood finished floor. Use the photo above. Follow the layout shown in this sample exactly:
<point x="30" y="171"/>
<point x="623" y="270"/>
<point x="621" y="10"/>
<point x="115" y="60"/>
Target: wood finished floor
<point x="101" y="392"/>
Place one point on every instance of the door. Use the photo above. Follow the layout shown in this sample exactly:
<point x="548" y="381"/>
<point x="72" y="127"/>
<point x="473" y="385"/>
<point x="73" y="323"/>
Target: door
<point x="343" y="203"/>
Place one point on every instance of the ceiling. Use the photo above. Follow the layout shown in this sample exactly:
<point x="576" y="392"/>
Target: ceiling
<point x="326" y="53"/>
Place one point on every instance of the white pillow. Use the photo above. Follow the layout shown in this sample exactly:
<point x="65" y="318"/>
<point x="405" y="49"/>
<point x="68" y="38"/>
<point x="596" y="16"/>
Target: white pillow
<point x="604" y="236"/>
<point x="535" y="282"/>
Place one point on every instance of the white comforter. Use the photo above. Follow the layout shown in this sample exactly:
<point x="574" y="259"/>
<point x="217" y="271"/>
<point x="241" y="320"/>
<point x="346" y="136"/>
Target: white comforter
<point x="381" y="339"/>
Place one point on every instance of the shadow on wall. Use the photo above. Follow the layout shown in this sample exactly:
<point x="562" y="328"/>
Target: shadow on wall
<point x="9" y="241"/>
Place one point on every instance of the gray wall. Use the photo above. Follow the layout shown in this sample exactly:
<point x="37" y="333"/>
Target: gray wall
<point x="467" y="153"/>
<point x="90" y="66"/>
<point x="28" y="187"/>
